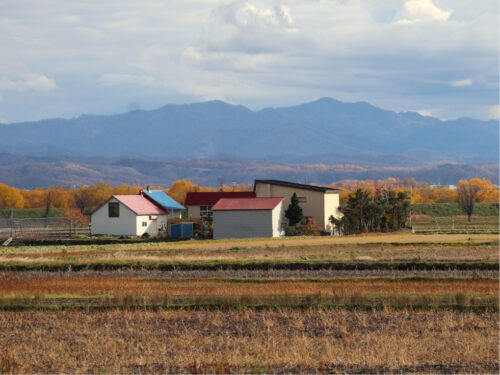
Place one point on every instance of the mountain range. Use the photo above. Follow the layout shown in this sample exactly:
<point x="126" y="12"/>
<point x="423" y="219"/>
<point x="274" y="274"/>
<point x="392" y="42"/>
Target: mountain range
<point x="305" y="132"/>
<point x="322" y="141"/>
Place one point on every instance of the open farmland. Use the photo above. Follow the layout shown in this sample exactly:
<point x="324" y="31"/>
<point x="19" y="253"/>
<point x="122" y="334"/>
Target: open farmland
<point x="372" y="303"/>
<point x="458" y="223"/>
<point x="249" y="341"/>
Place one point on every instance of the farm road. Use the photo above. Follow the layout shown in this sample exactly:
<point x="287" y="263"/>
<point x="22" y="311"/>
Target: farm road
<point x="331" y="241"/>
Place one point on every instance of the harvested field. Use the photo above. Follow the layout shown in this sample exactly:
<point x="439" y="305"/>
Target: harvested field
<point x="204" y="287"/>
<point x="462" y="251"/>
<point x="375" y="303"/>
<point x="202" y="255"/>
<point x="110" y="292"/>
<point x="247" y="341"/>
<point x="250" y="274"/>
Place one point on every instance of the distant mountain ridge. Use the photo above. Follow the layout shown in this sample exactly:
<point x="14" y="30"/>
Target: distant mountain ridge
<point x="29" y="172"/>
<point x="203" y="130"/>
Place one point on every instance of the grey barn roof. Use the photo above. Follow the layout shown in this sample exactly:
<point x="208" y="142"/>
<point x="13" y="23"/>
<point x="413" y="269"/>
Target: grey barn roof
<point x="321" y="189"/>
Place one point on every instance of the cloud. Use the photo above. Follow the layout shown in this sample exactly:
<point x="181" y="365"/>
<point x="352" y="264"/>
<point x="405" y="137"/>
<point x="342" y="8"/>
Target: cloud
<point x="250" y="15"/>
<point x="421" y="10"/>
<point x="396" y="54"/>
<point x="36" y="82"/>
<point x="462" y="83"/>
<point x="118" y="79"/>
<point x="493" y="112"/>
<point x="425" y="112"/>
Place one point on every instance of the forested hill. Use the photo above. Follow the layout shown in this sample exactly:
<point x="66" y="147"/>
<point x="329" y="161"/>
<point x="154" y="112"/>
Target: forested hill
<point x="202" y="130"/>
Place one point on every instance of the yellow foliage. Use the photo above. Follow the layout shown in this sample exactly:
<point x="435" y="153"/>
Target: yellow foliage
<point x="10" y="197"/>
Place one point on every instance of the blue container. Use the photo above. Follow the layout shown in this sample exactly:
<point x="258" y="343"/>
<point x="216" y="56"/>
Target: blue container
<point x="183" y="230"/>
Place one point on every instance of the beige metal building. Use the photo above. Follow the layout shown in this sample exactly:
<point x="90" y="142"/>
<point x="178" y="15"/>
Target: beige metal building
<point x="247" y="217"/>
<point x="318" y="202"/>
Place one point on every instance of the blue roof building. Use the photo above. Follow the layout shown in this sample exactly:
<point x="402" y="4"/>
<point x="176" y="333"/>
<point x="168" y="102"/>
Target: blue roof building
<point x="162" y="199"/>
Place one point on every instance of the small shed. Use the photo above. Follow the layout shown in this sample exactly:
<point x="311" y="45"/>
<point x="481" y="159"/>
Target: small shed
<point x="247" y="217"/>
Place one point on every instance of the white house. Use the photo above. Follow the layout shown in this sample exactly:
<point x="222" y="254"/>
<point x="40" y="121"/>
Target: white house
<point x="134" y="215"/>
<point x="317" y="202"/>
<point x="247" y="217"/>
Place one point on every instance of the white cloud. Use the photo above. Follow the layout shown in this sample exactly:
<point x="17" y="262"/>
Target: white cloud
<point x="493" y="112"/>
<point x="421" y="10"/>
<point x="248" y="14"/>
<point x="462" y="83"/>
<point x="90" y="33"/>
<point x="36" y="82"/>
<point x="425" y="112"/>
<point x="251" y="52"/>
<point x="191" y="53"/>
<point x="117" y="79"/>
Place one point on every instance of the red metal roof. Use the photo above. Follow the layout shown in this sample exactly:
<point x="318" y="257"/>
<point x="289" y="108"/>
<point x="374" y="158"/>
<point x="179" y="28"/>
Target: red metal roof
<point x="247" y="204"/>
<point x="140" y="205"/>
<point x="211" y="198"/>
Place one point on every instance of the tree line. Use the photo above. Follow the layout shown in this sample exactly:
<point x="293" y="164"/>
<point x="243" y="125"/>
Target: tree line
<point x="82" y="200"/>
<point x="384" y="211"/>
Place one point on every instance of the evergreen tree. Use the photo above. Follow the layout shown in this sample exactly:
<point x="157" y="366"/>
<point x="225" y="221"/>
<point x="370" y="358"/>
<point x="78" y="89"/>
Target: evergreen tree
<point x="384" y="211"/>
<point x="294" y="212"/>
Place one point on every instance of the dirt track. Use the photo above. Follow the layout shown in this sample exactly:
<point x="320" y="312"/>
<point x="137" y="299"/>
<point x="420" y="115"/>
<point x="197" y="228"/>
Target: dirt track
<point x="312" y="241"/>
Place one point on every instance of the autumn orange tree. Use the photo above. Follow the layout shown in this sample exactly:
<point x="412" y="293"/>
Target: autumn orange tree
<point x="10" y="198"/>
<point x="473" y="191"/>
<point x="91" y="196"/>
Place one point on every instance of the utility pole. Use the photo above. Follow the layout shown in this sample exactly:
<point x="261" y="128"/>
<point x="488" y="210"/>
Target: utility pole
<point x="411" y="206"/>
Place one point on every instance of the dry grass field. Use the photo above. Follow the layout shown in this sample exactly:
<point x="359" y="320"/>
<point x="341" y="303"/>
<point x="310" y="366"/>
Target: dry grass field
<point x="392" y="247"/>
<point x="247" y="341"/>
<point x="376" y="303"/>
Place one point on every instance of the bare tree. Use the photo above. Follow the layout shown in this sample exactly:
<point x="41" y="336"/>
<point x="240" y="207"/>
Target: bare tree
<point x="467" y="196"/>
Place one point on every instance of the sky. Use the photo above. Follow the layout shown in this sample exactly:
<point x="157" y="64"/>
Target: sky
<point x="64" y="58"/>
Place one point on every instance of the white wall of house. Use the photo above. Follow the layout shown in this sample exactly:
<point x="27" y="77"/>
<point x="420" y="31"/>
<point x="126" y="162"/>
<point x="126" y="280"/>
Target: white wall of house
<point x="124" y="225"/>
<point x="155" y="224"/>
<point x="129" y="223"/>
<point x="315" y="204"/>
<point x="247" y="223"/>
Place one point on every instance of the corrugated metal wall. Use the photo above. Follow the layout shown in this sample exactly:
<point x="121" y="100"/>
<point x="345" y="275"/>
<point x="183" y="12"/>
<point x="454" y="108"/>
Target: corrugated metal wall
<point x="243" y="224"/>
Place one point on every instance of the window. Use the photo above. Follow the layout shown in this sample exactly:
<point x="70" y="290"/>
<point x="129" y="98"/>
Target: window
<point x="302" y="199"/>
<point x="144" y="223"/>
<point x="206" y="212"/>
<point x="114" y="209"/>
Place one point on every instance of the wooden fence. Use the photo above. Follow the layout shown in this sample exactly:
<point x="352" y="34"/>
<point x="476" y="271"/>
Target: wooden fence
<point x="43" y="228"/>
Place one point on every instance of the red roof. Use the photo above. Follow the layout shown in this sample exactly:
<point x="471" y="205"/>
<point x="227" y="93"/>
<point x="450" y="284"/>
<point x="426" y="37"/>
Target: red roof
<point x="211" y="198"/>
<point x="247" y="204"/>
<point x="140" y="205"/>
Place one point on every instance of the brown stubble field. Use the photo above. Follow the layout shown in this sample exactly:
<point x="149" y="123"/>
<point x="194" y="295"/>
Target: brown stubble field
<point x="361" y="248"/>
<point x="252" y="319"/>
<point x="248" y="341"/>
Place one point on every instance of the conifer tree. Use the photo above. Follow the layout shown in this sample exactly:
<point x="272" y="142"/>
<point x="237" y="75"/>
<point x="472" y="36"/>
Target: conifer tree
<point x="294" y="212"/>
